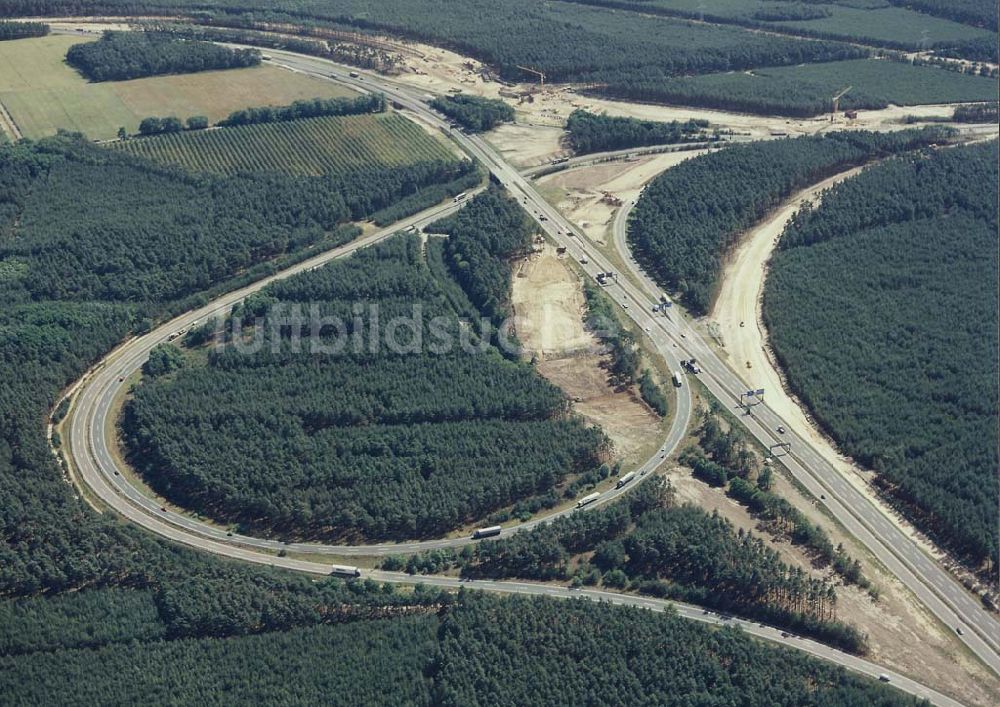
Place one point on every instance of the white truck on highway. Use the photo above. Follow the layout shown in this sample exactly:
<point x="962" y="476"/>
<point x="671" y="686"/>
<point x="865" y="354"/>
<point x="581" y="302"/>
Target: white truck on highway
<point x="589" y="498"/>
<point x="486" y="532"/>
<point x="625" y="479"/>
<point x="345" y="571"/>
<point x="678" y="381"/>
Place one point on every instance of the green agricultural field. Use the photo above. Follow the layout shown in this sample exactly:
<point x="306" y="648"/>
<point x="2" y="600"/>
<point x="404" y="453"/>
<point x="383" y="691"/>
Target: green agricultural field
<point x="311" y="146"/>
<point x="806" y="90"/>
<point x="44" y="94"/>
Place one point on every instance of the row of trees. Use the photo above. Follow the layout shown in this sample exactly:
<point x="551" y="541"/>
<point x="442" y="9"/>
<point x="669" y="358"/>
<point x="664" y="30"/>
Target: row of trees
<point x="473" y="112"/>
<point x="154" y="125"/>
<point x="119" y="56"/>
<point x="723" y="458"/>
<point x="589" y="132"/>
<point x="690" y="217"/>
<point x="652" y="545"/>
<point x="881" y="305"/>
<point x="22" y="30"/>
<point x="314" y="108"/>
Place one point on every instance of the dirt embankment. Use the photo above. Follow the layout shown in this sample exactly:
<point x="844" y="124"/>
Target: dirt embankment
<point x="548" y="308"/>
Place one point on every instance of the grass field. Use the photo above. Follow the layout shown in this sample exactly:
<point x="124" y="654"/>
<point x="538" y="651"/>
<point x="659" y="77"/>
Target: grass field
<point x="311" y="146"/>
<point x="43" y="94"/>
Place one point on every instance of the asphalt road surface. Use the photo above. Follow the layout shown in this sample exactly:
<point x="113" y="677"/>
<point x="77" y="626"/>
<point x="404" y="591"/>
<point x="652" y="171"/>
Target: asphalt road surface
<point x="674" y="338"/>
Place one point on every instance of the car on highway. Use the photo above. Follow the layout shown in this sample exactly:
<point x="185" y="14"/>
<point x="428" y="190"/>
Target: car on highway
<point x="781" y="429"/>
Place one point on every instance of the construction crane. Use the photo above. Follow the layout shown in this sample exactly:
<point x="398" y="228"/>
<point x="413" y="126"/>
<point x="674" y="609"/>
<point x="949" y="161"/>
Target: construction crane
<point x="836" y="102"/>
<point x="536" y="72"/>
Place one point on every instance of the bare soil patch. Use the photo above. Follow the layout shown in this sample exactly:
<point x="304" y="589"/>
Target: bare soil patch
<point x="549" y="307"/>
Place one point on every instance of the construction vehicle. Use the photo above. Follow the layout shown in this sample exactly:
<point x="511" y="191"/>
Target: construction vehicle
<point x="835" y="102"/>
<point x="536" y="72"/>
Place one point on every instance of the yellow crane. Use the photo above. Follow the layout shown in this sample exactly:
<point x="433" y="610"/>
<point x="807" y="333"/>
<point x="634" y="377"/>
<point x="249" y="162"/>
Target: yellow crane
<point x="836" y="102"/>
<point x="536" y="72"/>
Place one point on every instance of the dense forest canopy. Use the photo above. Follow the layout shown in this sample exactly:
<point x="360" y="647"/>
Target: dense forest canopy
<point x="119" y="56"/>
<point x="805" y="91"/>
<point x="589" y="132"/>
<point x="317" y="107"/>
<point x="690" y="217"/>
<point x="882" y="306"/>
<point x="173" y="234"/>
<point x="386" y="441"/>
<point x="476" y="650"/>
<point x="473" y="112"/>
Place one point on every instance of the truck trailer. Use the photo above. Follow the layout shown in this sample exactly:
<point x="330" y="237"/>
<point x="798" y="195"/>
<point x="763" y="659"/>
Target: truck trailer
<point x="590" y="498"/>
<point x="625" y="479"/>
<point x="345" y="571"/>
<point x="486" y="532"/>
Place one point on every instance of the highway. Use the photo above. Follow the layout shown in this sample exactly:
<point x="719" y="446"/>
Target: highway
<point x="673" y="337"/>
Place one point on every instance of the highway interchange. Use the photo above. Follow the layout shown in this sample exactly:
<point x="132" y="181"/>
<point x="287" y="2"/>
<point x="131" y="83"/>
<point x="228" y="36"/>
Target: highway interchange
<point x="672" y="336"/>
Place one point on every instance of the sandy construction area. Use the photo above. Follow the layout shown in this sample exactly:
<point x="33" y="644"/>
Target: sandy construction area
<point x="548" y="307"/>
<point x="580" y="192"/>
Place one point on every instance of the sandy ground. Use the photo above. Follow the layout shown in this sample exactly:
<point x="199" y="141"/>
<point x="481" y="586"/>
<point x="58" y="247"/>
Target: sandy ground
<point x="535" y="138"/>
<point x="580" y="192"/>
<point x="739" y="298"/>
<point x="548" y="308"/>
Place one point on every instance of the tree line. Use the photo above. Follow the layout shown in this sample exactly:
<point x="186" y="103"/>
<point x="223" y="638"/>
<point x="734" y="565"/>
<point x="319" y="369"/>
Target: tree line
<point x="368" y="103"/>
<point x="652" y="545"/>
<point x="22" y="30"/>
<point x="590" y="132"/>
<point x="314" y="108"/>
<point x="482" y="239"/>
<point x="690" y="217"/>
<point x="881" y="306"/>
<point x="473" y="112"/>
<point x="119" y="56"/>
